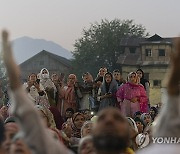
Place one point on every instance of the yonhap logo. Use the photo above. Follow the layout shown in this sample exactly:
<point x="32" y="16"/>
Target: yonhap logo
<point x="165" y="140"/>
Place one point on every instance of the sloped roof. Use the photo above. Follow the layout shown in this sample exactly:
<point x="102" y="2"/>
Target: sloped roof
<point x="130" y="59"/>
<point x="155" y="37"/>
<point x="134" y="41"/>
<point x="131" y="41"/>
<point x="62" y="60"/>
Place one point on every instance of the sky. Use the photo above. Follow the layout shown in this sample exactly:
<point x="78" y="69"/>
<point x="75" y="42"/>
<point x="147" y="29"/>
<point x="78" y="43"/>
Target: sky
<point x="62" y="21"/>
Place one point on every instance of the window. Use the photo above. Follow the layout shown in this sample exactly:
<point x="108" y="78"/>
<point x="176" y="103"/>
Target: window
<point x="148" y="53"/>
<point x="132" y="50"/>
<point x="157" y="83"/>
<point x="161" y="52"/>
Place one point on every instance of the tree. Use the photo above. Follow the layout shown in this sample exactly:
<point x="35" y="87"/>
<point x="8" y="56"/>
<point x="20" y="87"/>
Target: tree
<point x="100" y="44"/>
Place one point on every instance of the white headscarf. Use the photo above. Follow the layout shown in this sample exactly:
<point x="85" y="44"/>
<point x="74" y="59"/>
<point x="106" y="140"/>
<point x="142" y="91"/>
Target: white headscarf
<point x="44" y="76"/>
<point x="132" y="123"/>
<point x="45" y="80"/>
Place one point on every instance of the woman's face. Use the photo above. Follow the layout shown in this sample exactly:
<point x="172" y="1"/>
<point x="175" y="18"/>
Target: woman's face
<point x="79" y="121"/>
<point x="10" y="132"/>
<point x="87" y="115"/>
<point x="71" y="79"/>
<point x="139" y="126"/>
<point x="44" y="118"/>
<point x="87" y="148"/>
<point x="102" y="72"/>
<point x="44" y="71"/>
<point x="19" y="147"/>
<point x="87" y="78"/>
<point x="147" y="119"/>
<point x="33" y="77"/>
<point x="108" y="78"/>
<point x="139" y="73"/>
<point x="87" y="130"/>
<point x="133" y="78"/>
<point x="152" y="112"/>
<point x="54" y="77"/>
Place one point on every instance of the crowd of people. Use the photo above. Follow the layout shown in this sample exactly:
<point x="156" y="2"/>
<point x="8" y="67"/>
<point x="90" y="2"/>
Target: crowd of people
<point x="105" y="115"/>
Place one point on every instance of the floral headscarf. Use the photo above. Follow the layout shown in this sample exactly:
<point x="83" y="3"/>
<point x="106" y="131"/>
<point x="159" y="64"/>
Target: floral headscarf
<point x="75" y="131"/>
<point x="49" y="116"/>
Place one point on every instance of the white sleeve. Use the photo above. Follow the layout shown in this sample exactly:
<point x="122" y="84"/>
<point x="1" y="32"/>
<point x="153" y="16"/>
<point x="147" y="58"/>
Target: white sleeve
<point x="36" y="136"/>
<point x="147" y="89"/>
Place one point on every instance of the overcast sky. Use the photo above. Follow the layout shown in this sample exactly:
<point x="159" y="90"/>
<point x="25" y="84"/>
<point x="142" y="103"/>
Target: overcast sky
<point x="62" y="21"/>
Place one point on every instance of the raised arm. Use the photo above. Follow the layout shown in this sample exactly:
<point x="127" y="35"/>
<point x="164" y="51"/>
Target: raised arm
<point x="36" y="135"/>
<point x="168" y="123"/>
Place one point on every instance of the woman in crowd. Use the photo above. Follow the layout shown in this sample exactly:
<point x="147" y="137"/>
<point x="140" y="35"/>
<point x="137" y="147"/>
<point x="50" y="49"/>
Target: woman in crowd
<point x="70" y="94"/>
<point x="48" y="120"/>
<point x="144" y="82"/>
<point x="107" y="92"/>
<point x="48" y="85"/>
<point x="58" y="84"/>
<point x="87" y="114"/>
<point x="137" y="114"/>
<point x="132" y="96"/>
<point x="100" y="75"/>
<point x="133" y="132"/>
<point x="153" y="113"/>
<point x="86" y="129"/>
<point x="146" y="119"/>
<point x="139" y="124"/>
<point x="78" y="120"/>
<point x="36" y="91"/>
<point x="11" y="129"/>
<point x="67" y="133"/>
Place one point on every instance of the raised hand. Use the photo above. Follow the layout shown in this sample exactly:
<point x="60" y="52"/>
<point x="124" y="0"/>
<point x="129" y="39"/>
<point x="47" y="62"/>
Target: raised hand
<point x="11" y="66"/>
<point x="174" y="78"/>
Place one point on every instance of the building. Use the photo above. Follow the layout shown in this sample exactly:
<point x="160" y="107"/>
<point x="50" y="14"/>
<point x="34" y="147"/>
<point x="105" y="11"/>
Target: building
<point x="45" y="59"/>
<point x="152" y="56"/>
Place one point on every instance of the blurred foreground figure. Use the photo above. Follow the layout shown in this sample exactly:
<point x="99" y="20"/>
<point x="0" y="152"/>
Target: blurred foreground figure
<point x="2" y="136"/>
<point x="111" y="133"/>
<point x="36" y="136"/>
<point x="167" y="125"/>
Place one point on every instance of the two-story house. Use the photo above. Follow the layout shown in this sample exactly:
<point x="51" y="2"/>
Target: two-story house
<point x="152" y="56"/>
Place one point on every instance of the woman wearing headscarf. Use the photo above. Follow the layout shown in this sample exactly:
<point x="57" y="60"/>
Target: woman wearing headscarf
<point x="49" y="121"/>
<point x="70" y="94"/>
<point x="132" y="96"/>
<point x="78" y="120"/>
<point x="48" y="85"/>
<point x="36" y="91"/>
<point x="146" y="119"/>
<point x="133" y="132"/>
<point x="107" y="92"/>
